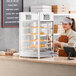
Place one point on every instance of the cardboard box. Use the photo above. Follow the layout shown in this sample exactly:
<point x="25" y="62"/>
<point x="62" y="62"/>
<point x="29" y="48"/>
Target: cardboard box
<point x="41" y="8"/>
<point x="55" y="28"/>
<point x="60" y="9"/>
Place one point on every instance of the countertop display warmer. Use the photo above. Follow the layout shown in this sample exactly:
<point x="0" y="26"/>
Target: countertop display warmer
<point x="35" y="34"/>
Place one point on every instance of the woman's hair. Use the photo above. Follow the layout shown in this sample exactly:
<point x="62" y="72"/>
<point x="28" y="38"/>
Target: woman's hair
<point x="73" y="23"/>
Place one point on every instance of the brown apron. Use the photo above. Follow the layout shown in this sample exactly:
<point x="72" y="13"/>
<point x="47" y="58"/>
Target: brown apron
<point x="63" y="38"/>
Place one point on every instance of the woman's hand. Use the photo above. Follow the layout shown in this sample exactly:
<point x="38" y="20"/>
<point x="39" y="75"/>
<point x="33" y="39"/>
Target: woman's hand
<point x="57" y="43"/>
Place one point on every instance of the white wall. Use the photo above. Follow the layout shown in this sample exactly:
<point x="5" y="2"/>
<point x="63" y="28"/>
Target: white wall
<point x="70" y="3"/>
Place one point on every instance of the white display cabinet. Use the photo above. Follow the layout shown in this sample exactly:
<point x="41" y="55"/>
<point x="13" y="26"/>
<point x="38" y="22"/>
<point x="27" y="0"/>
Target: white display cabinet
<point x="35" y="34"/>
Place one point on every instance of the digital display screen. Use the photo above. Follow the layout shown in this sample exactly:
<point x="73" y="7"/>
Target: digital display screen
<point x="46" y="17"/>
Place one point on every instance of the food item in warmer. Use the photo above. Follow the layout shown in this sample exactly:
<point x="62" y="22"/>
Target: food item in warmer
<point x="32" y="33"/>
<point x="42" y="45"/>
<point x="41" y="40"/>
<point x="41" y="27"/>
<point x="42" y="33"/>
<point x="36" y="46"/>
<point x="33" y="46"/>
<point x="36" y="40"/>
<point x="32" y="27"/>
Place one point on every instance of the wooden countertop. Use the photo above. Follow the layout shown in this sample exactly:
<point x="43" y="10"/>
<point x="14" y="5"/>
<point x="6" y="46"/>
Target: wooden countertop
<point x="51" y="60"/>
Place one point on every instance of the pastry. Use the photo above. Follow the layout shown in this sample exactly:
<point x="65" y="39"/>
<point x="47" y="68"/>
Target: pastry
<point x="32" y="33"/>
<point x="42" y="33"/>
<point x="36" y="46"/>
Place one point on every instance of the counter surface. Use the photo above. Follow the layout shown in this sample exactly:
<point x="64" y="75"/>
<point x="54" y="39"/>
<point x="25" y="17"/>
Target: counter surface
<point x="52" y="60"/>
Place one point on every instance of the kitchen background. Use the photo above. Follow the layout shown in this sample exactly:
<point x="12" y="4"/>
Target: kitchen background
<point x="9" y="37"/>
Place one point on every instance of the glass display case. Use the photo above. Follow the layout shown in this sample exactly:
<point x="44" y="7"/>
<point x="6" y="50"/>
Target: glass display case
<point x="35" y="34"/>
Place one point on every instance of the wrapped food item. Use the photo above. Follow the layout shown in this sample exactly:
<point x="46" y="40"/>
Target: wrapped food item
<point x="2" y="53"/>
<point x="10" y="52"/>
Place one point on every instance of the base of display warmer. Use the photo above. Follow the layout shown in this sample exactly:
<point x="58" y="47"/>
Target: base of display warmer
<point x="35" y="54"/>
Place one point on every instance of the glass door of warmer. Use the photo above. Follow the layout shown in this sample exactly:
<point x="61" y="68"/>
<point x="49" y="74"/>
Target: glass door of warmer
<point x="46" y="34"/>
<point x="30" y="38"/>
<point x="46" y="38"/>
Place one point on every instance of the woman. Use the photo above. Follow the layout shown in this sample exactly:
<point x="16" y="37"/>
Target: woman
<point x="68" y="25"/>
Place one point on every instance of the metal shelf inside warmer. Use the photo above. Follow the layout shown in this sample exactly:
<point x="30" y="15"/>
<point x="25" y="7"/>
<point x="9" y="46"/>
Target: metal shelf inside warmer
<point x="36" y="48"/>
<point x="32" y="34"/>
<point x="45" y="48"/>
<point x="35" y="41"/>
<point x="37" y="34"/>
<point x="36" y="28"/>
<point x="33" y="27"/>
